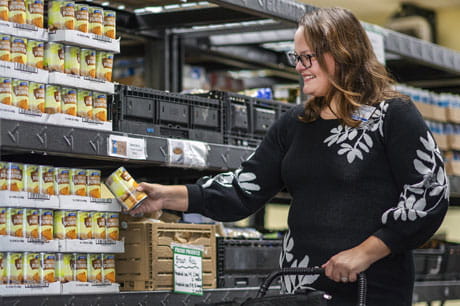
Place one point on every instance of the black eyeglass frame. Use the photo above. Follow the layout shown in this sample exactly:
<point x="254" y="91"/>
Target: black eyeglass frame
<point x="294" y="58"/>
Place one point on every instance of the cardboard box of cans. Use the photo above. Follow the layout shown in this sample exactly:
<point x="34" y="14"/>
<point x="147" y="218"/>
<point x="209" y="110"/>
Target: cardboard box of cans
<point x="41" y="268"/>
<point x="23" y="11"/>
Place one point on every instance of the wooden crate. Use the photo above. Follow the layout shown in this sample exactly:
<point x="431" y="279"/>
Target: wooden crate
<point x="147" y="263"/>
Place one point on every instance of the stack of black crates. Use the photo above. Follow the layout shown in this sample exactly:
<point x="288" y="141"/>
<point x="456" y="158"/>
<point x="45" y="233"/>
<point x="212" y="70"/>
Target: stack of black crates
<point x="215" y="117"/>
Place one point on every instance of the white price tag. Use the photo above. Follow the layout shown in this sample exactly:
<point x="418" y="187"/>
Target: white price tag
<point x="188" y="270"/>
<point x="126" y="147"/>
<point x="187" y="152"/>
<point x="377" y="43"/>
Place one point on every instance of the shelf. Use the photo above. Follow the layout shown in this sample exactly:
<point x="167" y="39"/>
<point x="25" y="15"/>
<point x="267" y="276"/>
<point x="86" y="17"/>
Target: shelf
<point x="53" y="290"/>
<point x="85" y="40"/>
<point x="89" y="288"/>
<point x="27" y="199"/>
<point x="30" y="290"/>
<point x="23" y="30"/>
<point x="20" y="244"/>
<point x="23" y="72"/>
<point x="436" y="291"/>
<point x="91" y="246"/>
<point x="69" y="80"/>
<point x="72" y="202"/>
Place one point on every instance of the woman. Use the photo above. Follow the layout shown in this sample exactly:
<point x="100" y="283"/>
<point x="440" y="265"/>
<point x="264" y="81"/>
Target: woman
<point x="366" y="177"/>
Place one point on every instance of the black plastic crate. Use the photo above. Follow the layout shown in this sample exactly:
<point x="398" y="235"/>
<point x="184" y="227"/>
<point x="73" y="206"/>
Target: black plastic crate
<point x="429" y="264"/>
<point x="246" y="261"/>
<point x="451" y="268"/>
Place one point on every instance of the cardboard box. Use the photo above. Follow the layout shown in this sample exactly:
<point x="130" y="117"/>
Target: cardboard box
<point x="453" y="114"/>
<point x="147" y="263"/>
<point x="442" y="141"/>
<point x="439" y="113"/>
<point x="454" y="141"/>
<point x="425" y="109"/>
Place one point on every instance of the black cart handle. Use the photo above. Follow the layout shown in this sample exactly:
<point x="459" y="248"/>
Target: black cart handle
<point x="362" y="282"/>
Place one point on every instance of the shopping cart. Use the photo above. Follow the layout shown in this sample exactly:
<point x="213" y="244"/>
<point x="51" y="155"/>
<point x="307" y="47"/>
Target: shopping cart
<point x="310" y="297"/>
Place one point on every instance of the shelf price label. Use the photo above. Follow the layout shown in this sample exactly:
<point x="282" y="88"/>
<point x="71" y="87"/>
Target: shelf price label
<point x="187" y="153"/>
<point x="188" y="270"/>
<point x="126" y="147"/>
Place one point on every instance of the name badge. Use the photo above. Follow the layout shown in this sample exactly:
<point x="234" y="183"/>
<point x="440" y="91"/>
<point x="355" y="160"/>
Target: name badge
<point x="363" y="113"/>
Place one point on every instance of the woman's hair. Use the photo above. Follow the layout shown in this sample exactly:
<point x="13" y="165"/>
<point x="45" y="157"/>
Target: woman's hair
<point x="359" y="78"/>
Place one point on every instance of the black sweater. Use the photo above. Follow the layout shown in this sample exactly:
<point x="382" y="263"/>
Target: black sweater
<point x="384" y="178"/>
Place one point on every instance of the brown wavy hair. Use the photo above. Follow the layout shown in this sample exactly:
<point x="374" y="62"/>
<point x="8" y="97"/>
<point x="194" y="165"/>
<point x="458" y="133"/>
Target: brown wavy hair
<point x="359" y="78"/>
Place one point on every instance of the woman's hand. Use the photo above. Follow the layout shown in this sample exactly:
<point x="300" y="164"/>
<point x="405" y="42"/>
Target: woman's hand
<point x="162" y="197"/>
<point x="346" y="265"/>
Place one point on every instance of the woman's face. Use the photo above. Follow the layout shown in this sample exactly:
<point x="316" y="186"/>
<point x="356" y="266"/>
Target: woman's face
<point x="315" y="79"/>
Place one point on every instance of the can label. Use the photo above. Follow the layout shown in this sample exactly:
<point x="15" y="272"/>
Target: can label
<point x="63" y="181"/>
<point x="61" y="15"/>
<point x="5" y="47"/>
<point x="3" y="217"/>
<point x="108" y="268"/>
<point x="17" y="12"/>
<point x="65" y="224"/>
<point x="94" y="183"/>
<point x="35" y="53"/>
<point x="95" y="268"/>
<point x="72" y="60"/>
<point x="78" y="182"/>
<point x="20" y="94"/>
<point x="84" y="225"/>
<point x="113" y="225"/>
<point x="35" y="12"/>
<point x="84" y="104"/>
<point x="110" y="24"/>
<point x="19" y="50"/>
<point x="15" y="222"/>
<point x="88" y="63"/>
<point x="32" y="223"/>
<point x="48" y="262"/>
<point x="46" y="176"/>
<point x="69" y="101"/>
<point x="99" y="225"/>
<point x="123" y="186"/>
<point x="100" y="106"/>
<point x="32" y="268"/>
<point x="14" y="268"/>
<point x="3" y="176"/>
<point x="65" y="264"/>
<point x="96" y="20"/>
<point x="82" y="17"/>
<point x="81" y="267"/>
<point x="2" y="267"/>
<point x="31" y="178"/>
<point x="37" y="97"/>
<point x="15" y="177"/>
<point x="6" y="94"/>
<point x="4" y="10"/>
<point x="46" y="224"/>
<point x="104" y="64"/>
<point x="54" y="57"/>
<point x="52" y="99"/>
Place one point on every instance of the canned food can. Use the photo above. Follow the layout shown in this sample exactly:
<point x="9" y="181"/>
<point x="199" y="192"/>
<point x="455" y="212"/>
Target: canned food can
<point x="32" y="268"/>
<point x="108" y="268"/>
<point x="81" y="267"/>
<point x="4" y="10"/>
<point x="15" y="222"/>
<point x="17" y="11"/>
<point x="84" y="225"/>
<point x="46" y="180"/>
<point x="5" y="47"/>
<point x="96" y="20"/>
<point x="35" y="12"/>
<point x="31" y="178"/>
<point x="6" y="92"/>
<point x="52" y="99"/>
<point x="123" y="186"/>
<point x="65" y="224"/>
<point x="61" y="15"/>
<point x="37" y="97"/>
<point x="14" y="273"/>
<point x="78" y="182"/>
<point x="113" y="226"/>
<point x="3" y="222"/>
<point x="63" y="181"/>
<point x="99" y="225"/>
<point x="104" y="64"/>
<point x="20" y="93"/>
<point x="82" y="17"/>
<point x="69" y="101"/>
<point x="88" y="63"/>
<point x="65" y="267"/>
<point x="2" y="267"/>
<point x="99" y="106"/>
<point x="19" y="50"/>
<point x="94" y="183"/>
<point x="95" y="268"/>
<point x="110" y="19"/>
<point x="54" y="57"/>
<point x="48" y="263"/>
<point x="15" y="177"/>
<point x="84" y="104"/>
<point x="72" y="60"/>
<point x="35" y="53"/>
<point x="3" y="175"/>
<point x="32" y="223"/>
<point x="46" y="224"/>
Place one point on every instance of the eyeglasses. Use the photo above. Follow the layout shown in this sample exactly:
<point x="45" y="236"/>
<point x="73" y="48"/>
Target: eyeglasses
<point x="305" y="59"/>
